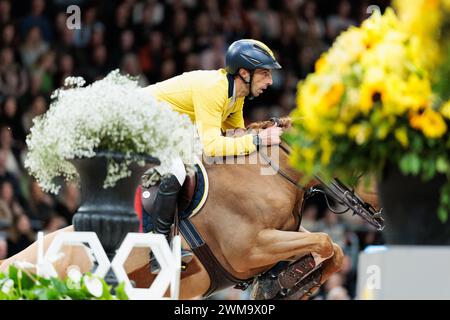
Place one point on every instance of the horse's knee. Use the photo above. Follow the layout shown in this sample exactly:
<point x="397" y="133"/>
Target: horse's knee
<point x="338" y="257"/>
<point x="325" y="245"/>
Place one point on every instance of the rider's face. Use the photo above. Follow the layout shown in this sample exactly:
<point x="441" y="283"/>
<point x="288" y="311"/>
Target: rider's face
<point x="262" y="79"/>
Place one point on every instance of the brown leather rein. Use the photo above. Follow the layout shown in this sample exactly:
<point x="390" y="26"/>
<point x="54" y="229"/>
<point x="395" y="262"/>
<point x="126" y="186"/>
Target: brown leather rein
<point x="287" y="149"/>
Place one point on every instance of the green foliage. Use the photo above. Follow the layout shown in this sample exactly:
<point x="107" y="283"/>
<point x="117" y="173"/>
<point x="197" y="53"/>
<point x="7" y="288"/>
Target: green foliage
<point x="19" y="284"/>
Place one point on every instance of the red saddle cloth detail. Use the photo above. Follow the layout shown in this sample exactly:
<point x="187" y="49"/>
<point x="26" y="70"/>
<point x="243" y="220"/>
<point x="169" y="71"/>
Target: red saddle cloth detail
<point x="138" y="206"/>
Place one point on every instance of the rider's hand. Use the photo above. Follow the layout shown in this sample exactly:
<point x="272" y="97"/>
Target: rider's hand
<point x="270" y="136"/>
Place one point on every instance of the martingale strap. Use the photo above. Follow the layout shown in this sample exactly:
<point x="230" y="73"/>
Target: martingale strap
<point x="219" y="277"/>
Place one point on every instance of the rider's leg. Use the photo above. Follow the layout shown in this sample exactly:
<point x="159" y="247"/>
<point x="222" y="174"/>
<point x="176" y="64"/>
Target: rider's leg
<point x="162" y="216"/>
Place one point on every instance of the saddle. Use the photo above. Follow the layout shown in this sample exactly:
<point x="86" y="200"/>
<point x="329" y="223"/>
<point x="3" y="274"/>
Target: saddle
<point x="185" y="195"/>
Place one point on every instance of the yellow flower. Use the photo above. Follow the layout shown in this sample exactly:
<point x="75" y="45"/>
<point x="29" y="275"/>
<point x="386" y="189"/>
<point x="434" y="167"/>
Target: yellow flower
<point x="360" y="133"/>
<point x="429" y="122"/>
<point x="402" y="136"/>
<point x="370" y="94"/>
<point x="320" y="63"/>
<point x="327" y="150"/>
<point x="339" y="128"/>
<point x="412" y="94"/>
<point x="334" y="95"/>
<point x="445" y="109"/>
<point x="347" y="49"/>
<point x="446" y="5"/>
<point x="422" y="18"/>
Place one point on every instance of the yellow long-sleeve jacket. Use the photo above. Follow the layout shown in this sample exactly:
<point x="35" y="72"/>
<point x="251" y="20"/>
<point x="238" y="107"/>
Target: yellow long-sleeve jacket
<point x="208" y="98"/>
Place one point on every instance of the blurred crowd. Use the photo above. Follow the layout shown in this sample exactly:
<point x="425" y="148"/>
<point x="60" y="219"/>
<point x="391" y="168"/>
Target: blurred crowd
<point x="152" y="40"/>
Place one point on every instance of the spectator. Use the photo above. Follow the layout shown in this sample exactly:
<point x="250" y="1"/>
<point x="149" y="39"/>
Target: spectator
<point x="33" y="47"/>
<point x="66" y="68"/>
<point x="8" y="36"/>
<point x="6" y="216"/>
<point x="340" y="21"/>
<point x="126" y="46"/>
<point x="98" y="66"/>
<point x="41" y="204"/>
<point x="8" y="176"/>
<point x="235" y="20"/>
<point x="213" y="57"/>
<point x="13" y="78"/>
<point x="68" y="202"/>
<point x="267" y="18"/>
<point x="211" y="7"/>
<point x="130" y="65"/>
<point x="3" y="247"/>
<point x="151" y="56"/>
<point x="82" y="36"/>
<point x="37" y="19"/>
<point x="5" y="12"/>
<point x="45" y="67"/>
<point x="11" y="119"/>
<point x="38" y="107"/>
<point x="10" y="198"/>
<point x="203" y="32"/>
<point x="168" y="69"/>
<point x="12" y="150"/>
<point x="312" y="28"/>
<point x="54" y="223"/>
<point x="20" y="235"/>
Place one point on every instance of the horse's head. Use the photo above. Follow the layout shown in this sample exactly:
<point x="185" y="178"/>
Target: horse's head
<point x="339" y="192"/>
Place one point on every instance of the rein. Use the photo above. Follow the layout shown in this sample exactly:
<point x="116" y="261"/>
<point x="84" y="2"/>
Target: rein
<point x="278" y="169"/>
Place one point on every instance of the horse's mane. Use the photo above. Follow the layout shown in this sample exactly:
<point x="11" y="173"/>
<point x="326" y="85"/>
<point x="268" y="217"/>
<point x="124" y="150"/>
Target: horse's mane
<point x="285" y="123"/>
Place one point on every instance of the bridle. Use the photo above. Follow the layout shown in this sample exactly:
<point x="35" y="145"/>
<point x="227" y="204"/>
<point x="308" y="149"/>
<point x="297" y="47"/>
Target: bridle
<point x="335" y="189"/>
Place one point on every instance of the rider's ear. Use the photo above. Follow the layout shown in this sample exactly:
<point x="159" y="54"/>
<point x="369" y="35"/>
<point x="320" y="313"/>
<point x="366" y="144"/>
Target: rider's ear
<point x="243" y="73"/>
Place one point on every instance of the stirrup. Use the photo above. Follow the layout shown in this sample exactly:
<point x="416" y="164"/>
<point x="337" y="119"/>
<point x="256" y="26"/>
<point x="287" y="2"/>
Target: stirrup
<point x="186" y="257"/>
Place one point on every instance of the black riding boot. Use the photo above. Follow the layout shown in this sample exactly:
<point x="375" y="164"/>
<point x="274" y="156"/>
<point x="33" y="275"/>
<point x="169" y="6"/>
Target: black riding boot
<point x="163" y="215"/>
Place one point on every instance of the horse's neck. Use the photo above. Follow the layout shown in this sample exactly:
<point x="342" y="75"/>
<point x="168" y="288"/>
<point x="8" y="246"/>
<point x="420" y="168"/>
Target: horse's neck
<point x="280" y="157"/>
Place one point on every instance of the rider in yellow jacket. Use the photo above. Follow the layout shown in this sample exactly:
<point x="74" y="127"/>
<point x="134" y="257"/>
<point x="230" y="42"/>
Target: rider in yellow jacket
<point x="214" y="101"/>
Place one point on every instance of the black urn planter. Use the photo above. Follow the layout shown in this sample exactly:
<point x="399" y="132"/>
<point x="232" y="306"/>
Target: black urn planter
<point x="108" y="212"/>
<point x="410" y="209"/>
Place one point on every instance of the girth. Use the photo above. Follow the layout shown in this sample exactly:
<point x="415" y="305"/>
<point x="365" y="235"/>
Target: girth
<point x="219" y="277"/>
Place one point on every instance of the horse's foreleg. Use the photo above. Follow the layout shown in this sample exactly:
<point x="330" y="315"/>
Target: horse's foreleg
<point x="330" y="266"/>
<point x="272" y="246"/>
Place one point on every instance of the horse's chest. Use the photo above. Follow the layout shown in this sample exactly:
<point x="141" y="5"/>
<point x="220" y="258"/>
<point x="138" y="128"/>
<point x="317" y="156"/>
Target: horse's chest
<point x="291" y="223"/>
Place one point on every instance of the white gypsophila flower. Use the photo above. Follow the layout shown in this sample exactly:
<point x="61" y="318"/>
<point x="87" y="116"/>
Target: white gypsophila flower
<point x="7" y="286"/>
<point x="94" y="285"/>
<point x="111" y="114"/>
<point x="23" y="265"/>
<point x="74" y="273"/>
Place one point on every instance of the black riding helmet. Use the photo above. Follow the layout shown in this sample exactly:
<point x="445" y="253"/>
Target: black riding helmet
<point x="249" y="54"/>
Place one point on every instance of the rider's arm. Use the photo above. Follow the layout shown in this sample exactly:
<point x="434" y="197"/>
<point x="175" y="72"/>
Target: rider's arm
<point x="208" y="117"/>
<point x="234" y="121"/>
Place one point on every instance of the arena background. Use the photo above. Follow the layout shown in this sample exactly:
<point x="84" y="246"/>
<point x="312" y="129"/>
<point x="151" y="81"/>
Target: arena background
<point x="155" y="40"/>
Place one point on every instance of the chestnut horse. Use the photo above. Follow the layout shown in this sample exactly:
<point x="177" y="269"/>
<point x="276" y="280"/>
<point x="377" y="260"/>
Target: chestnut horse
<point x="250" y="222"/>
